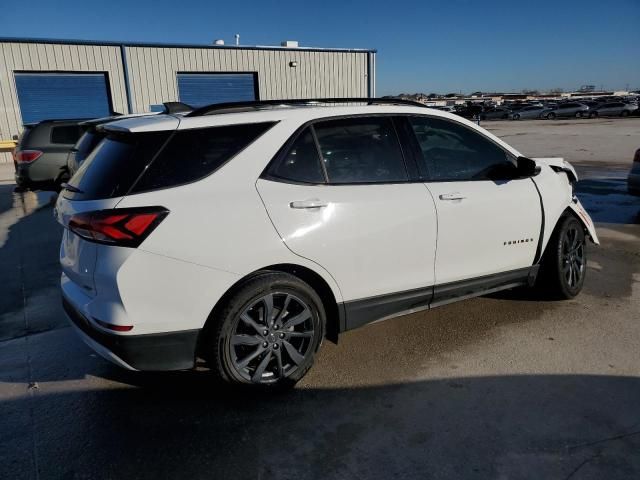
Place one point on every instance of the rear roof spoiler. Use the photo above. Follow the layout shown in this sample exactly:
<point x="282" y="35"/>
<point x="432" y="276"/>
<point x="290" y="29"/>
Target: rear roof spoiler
<point x="176" y="107"/>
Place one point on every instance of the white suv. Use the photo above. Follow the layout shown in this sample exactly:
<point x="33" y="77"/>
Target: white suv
<point x="242" y="235"/>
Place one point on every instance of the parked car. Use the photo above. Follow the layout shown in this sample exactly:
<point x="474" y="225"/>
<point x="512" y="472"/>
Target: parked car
<point x="633" y="180"/>
<point x="493" y="113"/>
<point x="468" y="111"/>
<point x="613" y="109"/>
<point x="529" y="112"/>
<point x="40" y="157"/>
<point x="445" y="108"/>
<point x="244" y="235"/>
<point x="569" y="109"/>
<point x="93" y="133"/>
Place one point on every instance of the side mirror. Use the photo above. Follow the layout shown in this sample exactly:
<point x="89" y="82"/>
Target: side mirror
<point x="527" y="167"/>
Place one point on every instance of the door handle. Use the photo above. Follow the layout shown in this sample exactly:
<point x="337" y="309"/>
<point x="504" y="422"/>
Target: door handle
<point x="452" y="196"/>
<point x="314" y="203"/>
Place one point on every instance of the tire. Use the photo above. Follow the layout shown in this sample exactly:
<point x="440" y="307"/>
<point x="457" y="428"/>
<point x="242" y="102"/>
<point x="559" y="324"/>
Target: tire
<point x="578" y="114"/>
<point x="593" y="115"/>
<point x="516" y="116"/>
<point x="551" y="116"/>
<point x="625" y="113"/>
<point x="244" y="351"/>
<point x="564" y="264"/>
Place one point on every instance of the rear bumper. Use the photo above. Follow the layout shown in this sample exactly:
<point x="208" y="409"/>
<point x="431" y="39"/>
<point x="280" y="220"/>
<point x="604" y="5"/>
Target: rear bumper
<point x="40" y="173"/>
<point x="150" y="352"/>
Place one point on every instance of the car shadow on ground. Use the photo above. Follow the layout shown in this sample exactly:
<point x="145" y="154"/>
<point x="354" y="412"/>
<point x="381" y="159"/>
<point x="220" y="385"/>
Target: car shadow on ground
<point x="189" y="426"/>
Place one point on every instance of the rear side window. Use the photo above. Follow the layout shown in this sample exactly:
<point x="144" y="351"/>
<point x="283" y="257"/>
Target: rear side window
<point x="301" y="163"/>
<point x="115" y="164"/>
<point x="193" y="154"/>
<point x="66" y="135"/>
<point x="361" y="150"/>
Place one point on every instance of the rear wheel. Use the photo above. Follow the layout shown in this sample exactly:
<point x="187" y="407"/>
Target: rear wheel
<point x="578" y="114"/>
<point x="551" y="116"/>
<point x="624" y="113"/>
<point x="593" y="114"/>
<point x="516" y="116"/>
<point x="564" y="264"/>
<point x="268" y="332"/>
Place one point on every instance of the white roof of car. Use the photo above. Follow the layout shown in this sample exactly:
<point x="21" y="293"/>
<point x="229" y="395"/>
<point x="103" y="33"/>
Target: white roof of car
<point x="295" y="113"/>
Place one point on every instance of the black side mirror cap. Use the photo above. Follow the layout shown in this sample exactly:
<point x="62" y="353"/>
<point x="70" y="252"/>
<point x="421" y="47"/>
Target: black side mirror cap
<point x="527" y="167"/>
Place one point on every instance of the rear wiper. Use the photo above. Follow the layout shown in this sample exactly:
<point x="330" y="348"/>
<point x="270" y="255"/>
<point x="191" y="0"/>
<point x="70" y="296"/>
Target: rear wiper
<point x="71" y="188"/>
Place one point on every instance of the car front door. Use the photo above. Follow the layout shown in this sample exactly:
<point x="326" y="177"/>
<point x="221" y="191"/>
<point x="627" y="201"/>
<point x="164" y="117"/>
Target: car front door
<point x="489" y="220"/>
<point x="340" y="195"/>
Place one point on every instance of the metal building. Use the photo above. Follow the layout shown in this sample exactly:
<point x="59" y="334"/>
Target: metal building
<point x="42" y="79"/>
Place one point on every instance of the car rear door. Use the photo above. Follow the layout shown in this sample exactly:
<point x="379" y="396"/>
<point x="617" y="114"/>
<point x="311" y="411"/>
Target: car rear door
<point x="489" y="221"/>
<point x="341" y="196"/>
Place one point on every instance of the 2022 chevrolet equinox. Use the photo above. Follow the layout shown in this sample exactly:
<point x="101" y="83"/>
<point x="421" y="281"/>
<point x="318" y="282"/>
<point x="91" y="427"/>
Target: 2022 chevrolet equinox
<point x="244" y="234"/>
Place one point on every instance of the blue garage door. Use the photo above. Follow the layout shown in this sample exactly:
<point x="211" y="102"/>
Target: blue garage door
<point x="45" y="96"/>
<point x="200" y="89"/>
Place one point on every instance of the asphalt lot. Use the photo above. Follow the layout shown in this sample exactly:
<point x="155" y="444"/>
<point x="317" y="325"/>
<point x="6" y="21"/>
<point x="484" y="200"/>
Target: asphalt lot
<point x="504" y="386"/>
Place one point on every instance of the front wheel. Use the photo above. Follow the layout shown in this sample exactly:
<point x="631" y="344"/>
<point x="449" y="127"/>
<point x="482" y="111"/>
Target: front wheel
<point x="551" y="116"/>
<point x="625" y="113"/>
<point x="267" y="333"/>
<point x="564" y="264"/>
<point x="516" y="116"/>
<point x="578" y="114"/>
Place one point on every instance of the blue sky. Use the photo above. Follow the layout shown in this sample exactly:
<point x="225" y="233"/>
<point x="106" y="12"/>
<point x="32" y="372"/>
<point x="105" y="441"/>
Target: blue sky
<point x="423" y="46"/>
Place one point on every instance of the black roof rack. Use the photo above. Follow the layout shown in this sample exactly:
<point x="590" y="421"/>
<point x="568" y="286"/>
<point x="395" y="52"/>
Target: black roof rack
<point x="231" y="107"/>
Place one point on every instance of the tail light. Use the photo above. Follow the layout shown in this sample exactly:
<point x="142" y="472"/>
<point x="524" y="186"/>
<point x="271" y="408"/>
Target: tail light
<point x="124" y="227"/>
<point x="27" y="156"/>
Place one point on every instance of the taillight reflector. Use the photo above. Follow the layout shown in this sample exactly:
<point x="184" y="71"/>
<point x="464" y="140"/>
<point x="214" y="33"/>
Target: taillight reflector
<point x="27" y="156"/>
<point x="126" y="227"/>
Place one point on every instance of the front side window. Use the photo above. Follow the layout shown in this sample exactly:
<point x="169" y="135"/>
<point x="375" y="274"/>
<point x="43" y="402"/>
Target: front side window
<point x="453" y="152"/>
<point x="361" y="150"/>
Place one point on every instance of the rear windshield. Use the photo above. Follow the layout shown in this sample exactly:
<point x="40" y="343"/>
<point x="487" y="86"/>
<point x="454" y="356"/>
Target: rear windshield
<point x="88" y="141"/>
<point x="167" y="159"/>
<point x="23" y="139"/>
<point x="114" y="165"/>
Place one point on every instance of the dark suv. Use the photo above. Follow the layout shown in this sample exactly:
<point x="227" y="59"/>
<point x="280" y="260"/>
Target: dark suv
<point x="40" y="158"/>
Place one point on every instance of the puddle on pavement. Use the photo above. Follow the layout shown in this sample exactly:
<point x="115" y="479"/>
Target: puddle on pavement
<point x="607" y="200"/>
<point x="23" y="203"/>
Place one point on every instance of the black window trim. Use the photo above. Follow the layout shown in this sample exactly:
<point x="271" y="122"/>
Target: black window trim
<point x="416" y="145"/>
<point x="412" y="173"/>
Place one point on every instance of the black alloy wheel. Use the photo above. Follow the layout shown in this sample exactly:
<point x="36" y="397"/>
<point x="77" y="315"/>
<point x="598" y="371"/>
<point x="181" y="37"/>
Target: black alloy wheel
<point x="269" y="331"/>
<point x="564" y="264"/>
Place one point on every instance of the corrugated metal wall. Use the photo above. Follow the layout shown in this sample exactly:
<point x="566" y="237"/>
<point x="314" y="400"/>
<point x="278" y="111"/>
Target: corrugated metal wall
<point x="152" y="72"/>
<point x="53" y="57"/>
